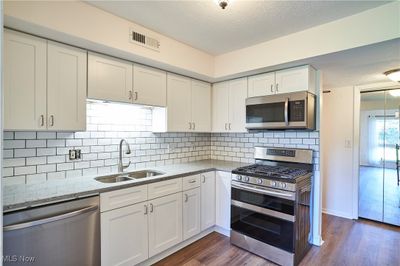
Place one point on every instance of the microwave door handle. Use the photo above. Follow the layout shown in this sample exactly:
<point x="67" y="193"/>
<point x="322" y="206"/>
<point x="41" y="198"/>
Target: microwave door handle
<point x="286" y="114"/>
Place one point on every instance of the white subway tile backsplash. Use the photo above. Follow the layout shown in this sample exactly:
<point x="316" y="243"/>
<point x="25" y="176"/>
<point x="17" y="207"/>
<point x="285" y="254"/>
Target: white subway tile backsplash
<point x="39" y="156"/>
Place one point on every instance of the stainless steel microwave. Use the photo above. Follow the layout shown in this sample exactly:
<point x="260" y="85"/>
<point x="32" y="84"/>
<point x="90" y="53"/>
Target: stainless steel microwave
<point x="294" y="110"/>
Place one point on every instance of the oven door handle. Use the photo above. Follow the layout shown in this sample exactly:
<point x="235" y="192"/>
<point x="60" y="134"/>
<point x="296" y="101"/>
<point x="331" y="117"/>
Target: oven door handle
<point x="263" y="191"/>
<point x="265" y="211"/>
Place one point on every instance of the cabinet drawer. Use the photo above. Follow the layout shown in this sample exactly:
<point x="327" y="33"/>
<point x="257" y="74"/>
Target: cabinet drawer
<point x="122" y="197"/>
<point x="163" y="188"/>
<point x="191" y="181"/>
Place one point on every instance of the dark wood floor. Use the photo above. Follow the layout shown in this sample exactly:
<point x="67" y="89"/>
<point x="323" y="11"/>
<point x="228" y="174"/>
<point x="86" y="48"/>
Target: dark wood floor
<point x="347" y="242"/>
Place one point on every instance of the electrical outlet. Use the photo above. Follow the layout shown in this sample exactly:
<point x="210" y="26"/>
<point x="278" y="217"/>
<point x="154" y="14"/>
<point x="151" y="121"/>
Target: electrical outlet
<point x="72" y="154"/>
<point x="78" y="154"/>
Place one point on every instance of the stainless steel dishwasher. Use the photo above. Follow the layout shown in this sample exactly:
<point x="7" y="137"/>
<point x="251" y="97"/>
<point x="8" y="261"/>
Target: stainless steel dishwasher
<point x="61" y="234"/>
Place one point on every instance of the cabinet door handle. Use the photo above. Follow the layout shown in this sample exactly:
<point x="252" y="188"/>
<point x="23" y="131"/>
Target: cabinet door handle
<point x="204" y="178"/>
<point x="130" y="95"/>
<point x="136" y="95"/>
<point x="194" y="125"/>
<point x="272" y="87"/>
<point x="51" y="120"/>
<point x="226" y="126"/>
<point x="146" y="209"/>
<point x="277" y="87"/>
<point x="229" y="126"/>
<point x="192" y="181"/>
<point x="151" y="207"/>
<point x="186" y="197"/>
<point x="190" y="125"/>
<point x="41" y="120"/>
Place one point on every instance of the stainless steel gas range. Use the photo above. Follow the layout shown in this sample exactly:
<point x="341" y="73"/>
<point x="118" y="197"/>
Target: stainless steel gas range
<point x="270" y="204"/>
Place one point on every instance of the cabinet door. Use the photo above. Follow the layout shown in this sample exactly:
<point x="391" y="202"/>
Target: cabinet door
<point x="124" y="235"/>
<point x="237" y="105"/>
<point x="109" y="78"/>
<point x="223" y="199"/>
<point x="220" y="107"/>
<point x="24" y="82"/>
<point x="66" y="87"/>
<point x="149" y="86"/>
<point x="293" y="79"/>
<point x="261" y="85"/>
<point x="191" y="213"/>
<point x="207" y="181"/>
<point x="178" y="101"/>
<point x="165" y="223"/>
<point x="201" y="106"/>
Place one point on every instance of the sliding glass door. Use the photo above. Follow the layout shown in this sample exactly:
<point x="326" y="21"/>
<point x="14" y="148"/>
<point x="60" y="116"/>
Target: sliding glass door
<point x="379" y="191"/>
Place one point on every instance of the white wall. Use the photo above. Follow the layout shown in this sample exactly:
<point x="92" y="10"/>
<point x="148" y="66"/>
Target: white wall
<point x="83" y="25"/>
<point x="368" y="27"/>
<point x="337" y="143"/>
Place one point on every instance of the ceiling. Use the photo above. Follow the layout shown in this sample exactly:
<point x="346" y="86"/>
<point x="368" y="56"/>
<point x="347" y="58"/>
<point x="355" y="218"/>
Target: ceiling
<point x="204" y="25"/>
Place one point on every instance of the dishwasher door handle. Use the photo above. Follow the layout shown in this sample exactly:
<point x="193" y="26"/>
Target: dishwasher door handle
<point x="63" y="216"/>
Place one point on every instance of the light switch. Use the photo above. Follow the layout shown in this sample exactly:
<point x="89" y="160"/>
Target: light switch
<point x="347" y="144"/>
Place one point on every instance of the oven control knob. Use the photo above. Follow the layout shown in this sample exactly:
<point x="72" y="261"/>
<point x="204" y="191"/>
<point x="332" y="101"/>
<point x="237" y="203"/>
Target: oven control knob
<point x="246" y="178"/>
<point x="273" y="183"/>
<point x="260" y="181"/>
<point x="239" y="177"/>
<point x="283" y="185"/>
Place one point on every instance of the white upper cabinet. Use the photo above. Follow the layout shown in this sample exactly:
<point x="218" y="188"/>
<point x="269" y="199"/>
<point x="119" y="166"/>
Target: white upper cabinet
<point x="66" y="87"/>
<point x="284" y="81"/>
<point x="207" y="187"/>
<point x="178" y="103"/>
<point x="24" y="81"/>
<point x="229" y="106"/>
<point x="45" y="84"/>
<point x="261" y="85"/>
<point x="201" y="106"/>
<point x="188" y="106"/>
<point x="149" y="86"/>
<point x="109" y="78"/>
<point x="191" y="213"/>
<point x="220" y="106"/>
<point x="295" y="79"/>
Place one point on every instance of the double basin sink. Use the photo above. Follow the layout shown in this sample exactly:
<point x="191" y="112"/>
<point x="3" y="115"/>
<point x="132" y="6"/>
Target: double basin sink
<point x="121" y="177"/>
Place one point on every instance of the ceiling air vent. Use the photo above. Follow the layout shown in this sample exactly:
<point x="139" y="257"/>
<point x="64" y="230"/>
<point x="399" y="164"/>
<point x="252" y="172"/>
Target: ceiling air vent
<point x="143" y="40"/>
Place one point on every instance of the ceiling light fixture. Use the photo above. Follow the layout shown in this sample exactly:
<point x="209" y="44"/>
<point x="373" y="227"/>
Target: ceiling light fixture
<point x="393" y="74"/>
<point x="223" y="3"/>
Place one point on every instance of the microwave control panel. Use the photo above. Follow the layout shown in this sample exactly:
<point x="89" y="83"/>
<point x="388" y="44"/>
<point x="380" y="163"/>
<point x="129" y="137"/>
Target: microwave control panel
<point x="297" y="111"/>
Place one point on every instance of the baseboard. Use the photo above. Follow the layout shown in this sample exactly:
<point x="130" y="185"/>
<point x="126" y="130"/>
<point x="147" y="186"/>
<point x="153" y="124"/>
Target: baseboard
<point x="223" y="231"/>
<point x="338" y="213"/>
<point x="176" y="248"/>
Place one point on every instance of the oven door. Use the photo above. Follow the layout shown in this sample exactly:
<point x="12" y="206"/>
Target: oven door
<point x="267" y="218"/>
<point x="289" y="110"/>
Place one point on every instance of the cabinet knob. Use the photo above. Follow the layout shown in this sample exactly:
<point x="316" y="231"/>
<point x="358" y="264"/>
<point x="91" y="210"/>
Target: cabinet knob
<point x="51" y="120"/>
<point x="130" y="95"/>
<point x="41" y="120"/>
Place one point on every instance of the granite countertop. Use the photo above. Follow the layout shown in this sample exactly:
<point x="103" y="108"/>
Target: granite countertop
<point x="30" y="195"/>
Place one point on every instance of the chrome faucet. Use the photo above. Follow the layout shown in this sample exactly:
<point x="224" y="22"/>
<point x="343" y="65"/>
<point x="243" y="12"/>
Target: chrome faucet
<point x="121" y="167"/>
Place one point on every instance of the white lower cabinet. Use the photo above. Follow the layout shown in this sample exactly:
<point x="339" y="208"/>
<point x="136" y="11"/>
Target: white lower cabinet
<point x="124" y="235"/>
<point x="191" y="213"/>
<point x="207" y="188"/>
<point x="223" y="200"/>
<point x="165" y="223"/>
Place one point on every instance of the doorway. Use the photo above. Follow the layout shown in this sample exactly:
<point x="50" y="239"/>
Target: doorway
<point x="379" y="183"/>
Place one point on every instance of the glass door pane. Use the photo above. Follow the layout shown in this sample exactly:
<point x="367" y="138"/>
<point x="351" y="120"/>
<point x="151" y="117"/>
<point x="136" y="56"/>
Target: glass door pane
<point x="391" y="191"/>
<point x="372" y="146"/>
